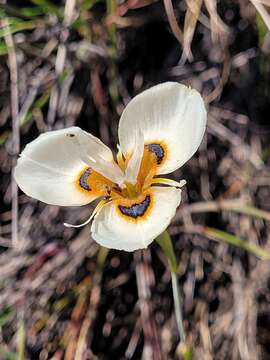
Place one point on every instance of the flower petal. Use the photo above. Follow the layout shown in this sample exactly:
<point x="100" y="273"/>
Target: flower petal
<point x="50" y="169"/>
<point x="172" y="118"/>
<point x="96" y="154"/>
<point x="134" y="163"/>
<point x="58" y="150"/>
<point x="126" y="224"/>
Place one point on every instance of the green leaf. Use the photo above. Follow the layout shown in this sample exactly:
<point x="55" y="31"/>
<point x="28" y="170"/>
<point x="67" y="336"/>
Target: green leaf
<point x="102" y="256"/>
<point x="21" y="338"/>
<point x="88" y="4"/>
<point x="32" y="11"/>
<point x="39" y="104"/>
<point x="185" y="351"/>
<point x="251" y="211"/>
<point x="48" y="7"/>
<point x="17" y="25"/>
<point x="231" y="239"/>
<point x="3" y="138"/>
<point x="6" y="315"/>
<point x="7" y="355"/>
<point x="165" y="242"/>
<point x="3" y="48"/>
<point x="261" y="27"/>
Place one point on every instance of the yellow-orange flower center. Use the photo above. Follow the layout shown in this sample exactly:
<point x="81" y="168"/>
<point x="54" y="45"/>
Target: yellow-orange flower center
<point x="133" y="201"/>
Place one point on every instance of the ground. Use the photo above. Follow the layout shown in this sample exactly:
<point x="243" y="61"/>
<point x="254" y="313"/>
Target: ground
<point x="60" y="296"/>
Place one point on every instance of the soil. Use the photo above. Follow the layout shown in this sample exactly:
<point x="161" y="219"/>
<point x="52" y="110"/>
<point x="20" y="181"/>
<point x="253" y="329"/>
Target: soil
<point x="51" y="286"/>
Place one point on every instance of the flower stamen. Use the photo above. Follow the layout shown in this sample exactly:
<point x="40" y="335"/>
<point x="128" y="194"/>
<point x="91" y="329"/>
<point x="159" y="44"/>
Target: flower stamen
<point x="131" y="190"/>
<point x="99" y="206"/>
<point x="169" y="182"/>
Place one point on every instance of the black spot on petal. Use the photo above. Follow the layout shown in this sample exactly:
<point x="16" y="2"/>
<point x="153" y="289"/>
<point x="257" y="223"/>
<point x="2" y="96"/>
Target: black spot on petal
<point x="158" y="150"/>
<point x="136" y="210"/>
<point x="83" y="179"/>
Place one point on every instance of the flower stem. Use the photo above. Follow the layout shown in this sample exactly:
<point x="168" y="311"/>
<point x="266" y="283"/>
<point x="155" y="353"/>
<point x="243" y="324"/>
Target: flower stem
<point x="178" y="306"/>
<point x="102" y="256"/>
<point x="165" y="242"/>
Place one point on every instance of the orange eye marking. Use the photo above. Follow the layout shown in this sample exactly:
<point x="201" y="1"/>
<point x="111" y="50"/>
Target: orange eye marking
<point x="148" y="168"/>
<point x="135" y="210"/>
<point x="155" y="153"/>
<point x="91" y="182"/>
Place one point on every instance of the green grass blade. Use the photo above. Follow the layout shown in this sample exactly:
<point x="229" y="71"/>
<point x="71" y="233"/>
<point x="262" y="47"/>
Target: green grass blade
<point x="3" y="48"/>
<point x="88" y="4"/>
<point x="21" y="338"/>
<point x="254" y="212"/>
<point x="48" y="7"/>
<point x="6" y="315"/>
<point x="18" y="26"/>
<point x="164" y="241"/>
<point x="7" y="355"/>
<point x="231" y="239"/>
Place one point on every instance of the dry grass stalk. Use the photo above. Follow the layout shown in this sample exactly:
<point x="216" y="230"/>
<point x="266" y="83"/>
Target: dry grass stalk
<point x="191" y="18"/>
<point x="13" y="70"/>
<point x="218" y="28"/>
<point x="61" y="58"/>
<point x="144" y="275"/>
<point x="172" y="21"/>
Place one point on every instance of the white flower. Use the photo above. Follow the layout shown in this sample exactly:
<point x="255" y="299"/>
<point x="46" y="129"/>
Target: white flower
<point x="159" y="131"/>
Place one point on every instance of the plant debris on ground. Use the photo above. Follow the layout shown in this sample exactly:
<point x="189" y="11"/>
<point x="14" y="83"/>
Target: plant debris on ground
<point x="66" y="63"/>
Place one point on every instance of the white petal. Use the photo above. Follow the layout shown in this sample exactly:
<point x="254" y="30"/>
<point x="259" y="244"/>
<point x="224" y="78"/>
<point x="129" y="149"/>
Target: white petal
<point x="168" y="114"/>
<point x="48" y="185"/>
<point x="50" y="166"/>
<point x="96" y="154"/>
<point x="113" y="229"/>
<point x="58" y="150"/>
<point x="134" y="163"/>
<point x="108" y="169"/>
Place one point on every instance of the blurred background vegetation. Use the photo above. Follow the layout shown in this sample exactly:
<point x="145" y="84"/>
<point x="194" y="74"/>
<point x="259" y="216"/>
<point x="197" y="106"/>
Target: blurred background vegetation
<point x="70" y="62"/>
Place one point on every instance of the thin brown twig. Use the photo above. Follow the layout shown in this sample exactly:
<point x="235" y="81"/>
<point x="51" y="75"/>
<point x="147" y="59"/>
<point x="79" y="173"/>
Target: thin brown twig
<point x="239" y="205"/>
<point x="172" y="21"/>
<point x="133" y="342"/>
<point x="152" y="340"/>
<point x="14" y="93"/>
<point x="191" y="18"/>
<point x="223" y="79"/>
<point x="5" y="242"/>
<point x="35" y="84"/>
<point x="219" y="30"/>
<point x="84" y="335"/>
<point x="61" y="58"/>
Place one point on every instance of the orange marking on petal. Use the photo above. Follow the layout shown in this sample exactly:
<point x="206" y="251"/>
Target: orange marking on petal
<point x="92" y="183"/>
<point x="155" y="153"/>
<point x="147" y="170"/>
<point x="160" y="149"/>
